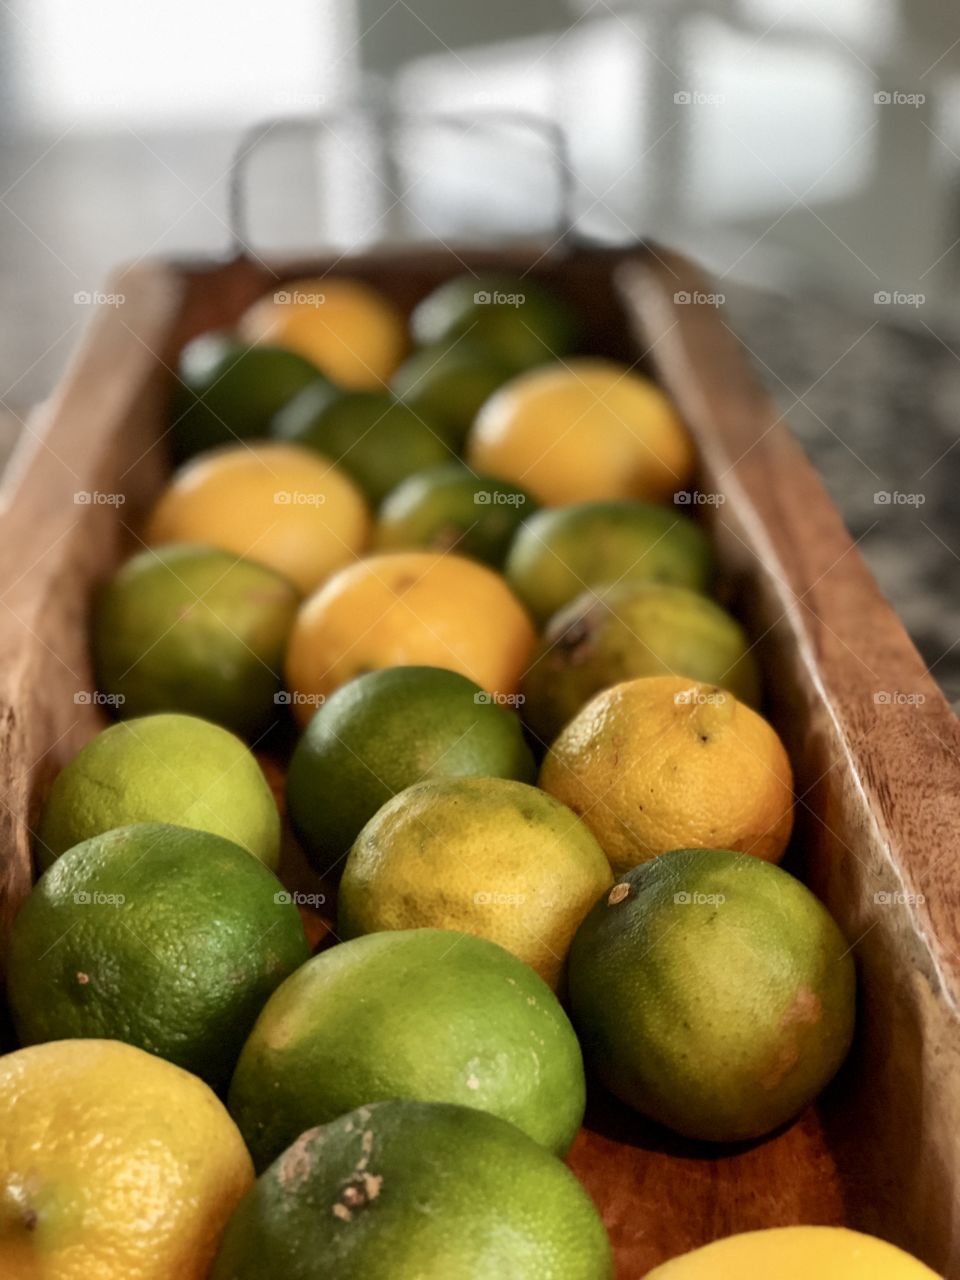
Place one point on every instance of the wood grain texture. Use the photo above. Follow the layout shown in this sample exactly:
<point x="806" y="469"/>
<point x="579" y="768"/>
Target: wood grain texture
<point x="95" y="436"/>
<point x="879" y="784"/>
<point x="878" y="778"/>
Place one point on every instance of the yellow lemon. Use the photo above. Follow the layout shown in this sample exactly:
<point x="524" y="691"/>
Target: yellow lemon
<point x="665" y="763"/>
<point x="351" y="332"/>
<point x="796" y="1253"/>
<point x="279" y="504"/>
<point x="488" y="856"/>
<point x="581" y="430"/>
<point x="113" y="1163"/>
<point x="416" y="608"/>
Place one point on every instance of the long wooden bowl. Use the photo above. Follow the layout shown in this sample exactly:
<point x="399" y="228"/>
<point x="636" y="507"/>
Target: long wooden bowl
<point x="874" y="744"/>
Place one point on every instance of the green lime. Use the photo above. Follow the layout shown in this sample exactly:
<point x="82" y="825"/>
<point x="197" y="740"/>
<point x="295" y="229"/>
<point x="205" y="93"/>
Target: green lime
<point x="163" y="768"/>
<point x="418" y="1013"/>
<point x="194" y="629"/>
<point x="381" y="733"/>
<point x="712" y="992"/>
<point x="403" y="1190"/>
<point x="371" y="435"/>
<point x="634" y="629"/>
<point x="514" y="318"/>
<point x="448" y="384"/>
<point x="561" y="551"/>
<point x="451" y="508"/>
<point x="228" y="392"/>
<point x="166" y="938"/>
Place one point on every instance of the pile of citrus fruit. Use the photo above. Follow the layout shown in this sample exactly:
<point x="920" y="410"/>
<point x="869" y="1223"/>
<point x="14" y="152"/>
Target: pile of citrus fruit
<point x="430" y="569"/>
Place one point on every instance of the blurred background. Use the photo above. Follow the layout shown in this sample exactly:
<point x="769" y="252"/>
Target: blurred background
<point x="807" y="153"/>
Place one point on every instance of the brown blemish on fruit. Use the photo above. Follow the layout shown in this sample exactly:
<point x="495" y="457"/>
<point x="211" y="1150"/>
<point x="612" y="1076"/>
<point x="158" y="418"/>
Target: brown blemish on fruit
<point x="618" y="893"/>
<point x="805" y="1009"/>
<point x="361" y="1188"/>
<point x="83" y="978"/>
<point x="576" y="642"/>
<point x="364" y="1188"/>
<point x="366" y="1146"/>
<point x="296" y="1162"/>
<point x="30" y="1219"/>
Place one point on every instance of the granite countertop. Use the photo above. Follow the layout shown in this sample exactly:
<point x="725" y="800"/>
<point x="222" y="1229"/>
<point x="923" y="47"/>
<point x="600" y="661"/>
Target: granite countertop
<point x="878" y="414"/>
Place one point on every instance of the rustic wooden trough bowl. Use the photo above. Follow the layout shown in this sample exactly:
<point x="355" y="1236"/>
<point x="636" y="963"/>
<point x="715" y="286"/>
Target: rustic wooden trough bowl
<point x="878" y="776"/>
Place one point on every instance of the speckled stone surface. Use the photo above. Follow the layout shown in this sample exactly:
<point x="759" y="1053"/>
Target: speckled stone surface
<point x="876" y="405"/>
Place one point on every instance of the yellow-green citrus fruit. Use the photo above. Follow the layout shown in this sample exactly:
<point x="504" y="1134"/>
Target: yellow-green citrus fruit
<point x="581" y="430"/>
<point x="514" y="318"/>
<point x="635" y="629"/>
<point x="712" y="992"/>
<point x="488" y="856"/>
<point x="403" y="1190"/>
<point x="374" y="438"/>
<point x="196" y="630"/>
<point x="353" y="333"/>
<point x="452" y="509"/>
<point x="114" y="1165"/>
<point x="227" y="392"/>
<point x="162" y="768"/>
<point x="796" y="1253"/>
<point x="426" y="1014"/>
<point x="166" y="938"/>
<point x="278" y="504"/>
<point x="663" y="762"/>
<point x="381" y="733"/>
<point x="561" y="551"/>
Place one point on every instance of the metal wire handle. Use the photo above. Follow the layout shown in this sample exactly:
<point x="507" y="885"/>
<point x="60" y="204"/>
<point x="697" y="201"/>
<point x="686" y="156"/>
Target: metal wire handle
<point x="388" y="126"/>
